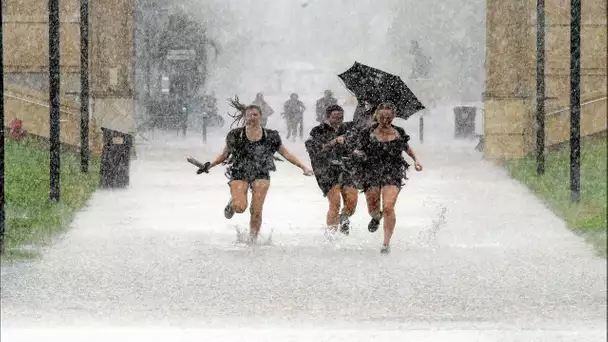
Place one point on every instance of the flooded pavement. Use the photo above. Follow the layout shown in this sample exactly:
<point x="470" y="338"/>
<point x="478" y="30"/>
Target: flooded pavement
<point x="158" y="261"/>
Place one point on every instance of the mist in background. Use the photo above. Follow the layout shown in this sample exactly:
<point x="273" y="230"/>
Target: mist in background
<point x="279" y="47"/>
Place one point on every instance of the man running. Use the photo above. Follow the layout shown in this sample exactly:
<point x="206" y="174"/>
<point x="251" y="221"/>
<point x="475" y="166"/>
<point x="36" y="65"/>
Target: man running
<point x="293" y="110"/>
<point x="329" y="155"/>
<point x="267" y="111"/>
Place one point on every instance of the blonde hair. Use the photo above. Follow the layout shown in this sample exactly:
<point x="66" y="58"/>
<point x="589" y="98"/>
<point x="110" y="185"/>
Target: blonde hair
<point x="383" y="106"/>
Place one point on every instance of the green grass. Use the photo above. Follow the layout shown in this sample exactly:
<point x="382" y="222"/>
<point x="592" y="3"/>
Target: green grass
<point x="588" y="217"/>
<point x="32" y="219"/>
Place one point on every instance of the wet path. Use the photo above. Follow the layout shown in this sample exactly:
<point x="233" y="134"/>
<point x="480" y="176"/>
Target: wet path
<point x="498" y="267"/>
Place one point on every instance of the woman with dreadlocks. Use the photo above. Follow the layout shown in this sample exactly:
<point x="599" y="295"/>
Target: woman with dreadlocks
<point x="249" y="152"/>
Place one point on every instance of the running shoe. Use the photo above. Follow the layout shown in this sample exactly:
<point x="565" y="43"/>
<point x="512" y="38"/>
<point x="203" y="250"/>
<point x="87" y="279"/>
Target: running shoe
<point x="228" y="212"/>
<point x="374" y="223"/>
<point x="386" y="249"/>
<point x="344" y="225"/>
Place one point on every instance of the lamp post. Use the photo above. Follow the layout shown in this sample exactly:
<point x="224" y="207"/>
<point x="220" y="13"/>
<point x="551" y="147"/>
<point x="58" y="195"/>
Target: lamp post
<point x="2" y="212"/>
<point x="540" y="87"/>
<point x="84" y="86"/>
<point x="54" y="87"/>
<point x="575" y="100"/>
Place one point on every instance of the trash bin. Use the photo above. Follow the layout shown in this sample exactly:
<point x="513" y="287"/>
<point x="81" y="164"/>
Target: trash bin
<point x="464" y="122"/>
<point x="115" y="159"/>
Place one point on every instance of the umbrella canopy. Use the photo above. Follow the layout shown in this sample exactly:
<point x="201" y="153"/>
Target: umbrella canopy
<point x="376" y="86"/>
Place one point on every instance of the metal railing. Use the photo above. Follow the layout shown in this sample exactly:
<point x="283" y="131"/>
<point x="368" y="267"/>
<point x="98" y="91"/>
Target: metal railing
<point x="37" y="103"/>
<point x="582" y="104"/>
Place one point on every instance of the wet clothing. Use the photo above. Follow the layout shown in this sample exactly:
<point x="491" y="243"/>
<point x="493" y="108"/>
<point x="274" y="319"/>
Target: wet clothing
<point x="330" y="169"/>
<point x="384" y="163"/>
<point x="322" y="104"/>
<point x="251" y="160"/>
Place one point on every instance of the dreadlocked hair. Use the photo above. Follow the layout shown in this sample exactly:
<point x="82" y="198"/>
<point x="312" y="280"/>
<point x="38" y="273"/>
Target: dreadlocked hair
<point x="239" y="115"/>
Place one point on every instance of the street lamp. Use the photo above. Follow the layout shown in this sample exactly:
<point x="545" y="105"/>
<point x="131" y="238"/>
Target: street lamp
<point x="84" y="85"/>
<point x="540" y="87"/>
<point x="54" y="87"/>
<point x="2" y="212"/>
<point x="575" y="101"/>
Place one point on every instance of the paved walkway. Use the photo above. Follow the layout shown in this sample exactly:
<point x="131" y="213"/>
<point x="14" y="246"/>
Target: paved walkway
<point x="160" y="254"/>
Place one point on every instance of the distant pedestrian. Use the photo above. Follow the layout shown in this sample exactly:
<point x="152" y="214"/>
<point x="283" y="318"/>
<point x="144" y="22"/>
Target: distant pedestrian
<point x="293" y="111"/>
<point x="322" y="104"/>
<point x="267" y="111"/>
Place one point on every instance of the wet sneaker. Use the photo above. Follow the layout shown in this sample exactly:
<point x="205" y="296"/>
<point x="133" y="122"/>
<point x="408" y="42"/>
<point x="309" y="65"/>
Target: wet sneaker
<point x="228" y="212"/>
<point x="373" y="225"/>
<point x="385" y="249"/>
<point x="344" y="225"/>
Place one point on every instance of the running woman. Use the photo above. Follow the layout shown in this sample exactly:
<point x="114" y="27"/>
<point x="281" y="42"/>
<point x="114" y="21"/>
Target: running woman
<point x="383" y="168"/>
<point x="251" y="149"/>
<point x="329" y="156"/>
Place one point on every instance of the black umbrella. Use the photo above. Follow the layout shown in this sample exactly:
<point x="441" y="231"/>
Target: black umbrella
<point x="376" y="86"/>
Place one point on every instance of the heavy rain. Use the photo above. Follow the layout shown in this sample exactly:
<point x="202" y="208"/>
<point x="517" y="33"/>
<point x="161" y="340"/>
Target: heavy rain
<point x="303" y="170"/>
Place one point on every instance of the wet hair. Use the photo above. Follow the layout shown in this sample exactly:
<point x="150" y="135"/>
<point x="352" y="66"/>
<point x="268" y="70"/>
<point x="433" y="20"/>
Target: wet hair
<point x="332" y="108"/>
<point x="384" y="105"/>
<point x="239" y="116"/>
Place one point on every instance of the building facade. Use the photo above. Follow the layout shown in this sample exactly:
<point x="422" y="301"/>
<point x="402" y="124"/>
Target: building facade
<point x="111" y="61"/>
<point x="510" y="89"/>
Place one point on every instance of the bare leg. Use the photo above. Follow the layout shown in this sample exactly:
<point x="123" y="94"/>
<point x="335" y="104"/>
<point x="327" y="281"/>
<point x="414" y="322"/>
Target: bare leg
<point x="372" y="196"/>
<point x="350" y="197"/>
<point x="389" y="198"/>
<point x="238" y="191"/>
<point x="259" y="190"/>
<point x="333" y="196"/>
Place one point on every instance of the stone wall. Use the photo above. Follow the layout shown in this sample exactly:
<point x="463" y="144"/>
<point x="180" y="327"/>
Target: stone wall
<point x="510" y="94"/>
<point x="31" y="106"/>
<point x="110" y="66"/>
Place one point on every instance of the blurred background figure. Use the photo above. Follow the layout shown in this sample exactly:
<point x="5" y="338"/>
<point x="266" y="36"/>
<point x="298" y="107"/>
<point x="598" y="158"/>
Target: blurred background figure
<point x="267" y="111"/>
<point x="323" y="103"/>
<point x="293" y="111"/>
<point x="422" y="62"/>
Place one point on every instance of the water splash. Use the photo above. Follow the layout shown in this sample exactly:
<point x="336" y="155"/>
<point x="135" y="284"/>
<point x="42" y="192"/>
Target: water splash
<point x="429" y="236"/>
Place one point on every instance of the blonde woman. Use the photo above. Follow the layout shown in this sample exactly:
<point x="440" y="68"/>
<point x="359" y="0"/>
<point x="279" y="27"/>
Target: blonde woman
<point x="383" y="168"/>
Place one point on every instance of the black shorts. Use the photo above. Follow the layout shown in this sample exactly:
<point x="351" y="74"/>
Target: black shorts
<point x="382" y="178"/>
<point x="328" y="178"/>
<point x="247" y="176"/>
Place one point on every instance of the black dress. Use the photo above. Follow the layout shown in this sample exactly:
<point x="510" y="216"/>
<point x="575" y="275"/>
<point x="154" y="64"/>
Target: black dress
<point x="251" y="160"/>
<point x="383" y="163"/>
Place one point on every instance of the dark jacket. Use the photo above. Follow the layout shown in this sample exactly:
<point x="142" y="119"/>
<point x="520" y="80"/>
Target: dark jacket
<point x="320" y="157"/>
